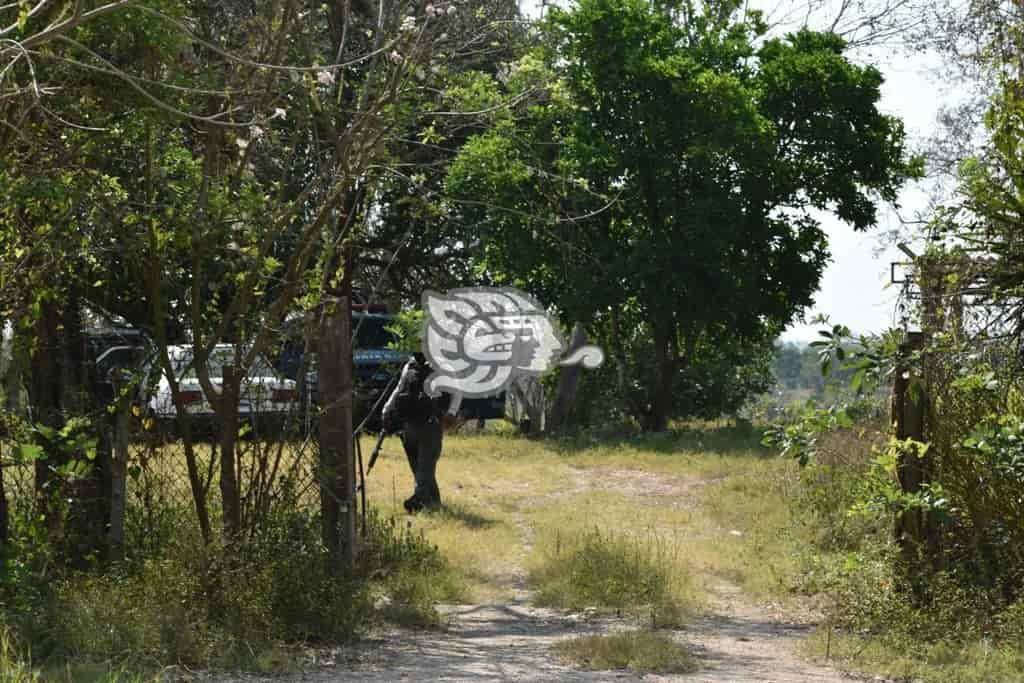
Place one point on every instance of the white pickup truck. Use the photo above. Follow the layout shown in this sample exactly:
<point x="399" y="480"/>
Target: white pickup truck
<point x="265" y="399"/>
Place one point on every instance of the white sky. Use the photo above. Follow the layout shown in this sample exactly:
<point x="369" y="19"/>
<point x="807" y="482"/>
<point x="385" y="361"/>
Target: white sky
<point x="855" y="288"/>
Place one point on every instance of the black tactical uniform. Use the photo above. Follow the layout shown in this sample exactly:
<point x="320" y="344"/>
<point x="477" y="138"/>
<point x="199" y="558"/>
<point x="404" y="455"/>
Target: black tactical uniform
<point x="418" y="417"/>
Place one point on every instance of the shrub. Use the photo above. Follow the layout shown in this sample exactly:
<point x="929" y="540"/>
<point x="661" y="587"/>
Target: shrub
<point x="13" y="668"/>
<point x="225" y="605"/>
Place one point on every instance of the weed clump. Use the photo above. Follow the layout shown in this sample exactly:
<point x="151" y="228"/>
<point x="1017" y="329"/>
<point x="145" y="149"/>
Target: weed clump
<point x="640" y="651"/>
<point x="618" y="572"/>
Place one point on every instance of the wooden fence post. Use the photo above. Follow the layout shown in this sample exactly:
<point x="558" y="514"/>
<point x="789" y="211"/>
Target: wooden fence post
<point x="118" y="473"/>
<point x="915" y="530"/>
<point x="336" y="466"/>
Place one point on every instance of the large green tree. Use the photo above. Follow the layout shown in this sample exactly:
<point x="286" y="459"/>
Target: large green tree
<point x="675" y="169"/>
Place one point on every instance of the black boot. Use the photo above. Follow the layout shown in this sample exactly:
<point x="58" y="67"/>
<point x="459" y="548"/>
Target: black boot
<point x="413" y="505"/>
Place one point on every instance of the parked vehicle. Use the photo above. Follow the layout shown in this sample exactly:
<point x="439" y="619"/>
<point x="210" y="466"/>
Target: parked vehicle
<point x="116" y="364"/>
<point x="114" y="354"/>
<point x="375" y="364"/>
<point x="266" y="400"/>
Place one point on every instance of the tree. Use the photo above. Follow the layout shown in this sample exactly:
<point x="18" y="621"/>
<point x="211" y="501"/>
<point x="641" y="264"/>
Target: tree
<point x="978" y="253"/>
<point x="487" y="35"/>
<point x="787" y="364"/>
<point x="223" y="203"/>
<point x="671" y="173"/>
<point x="56" y="232"/>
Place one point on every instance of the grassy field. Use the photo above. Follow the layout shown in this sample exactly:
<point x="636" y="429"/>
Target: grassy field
<point x="697" y="503"/>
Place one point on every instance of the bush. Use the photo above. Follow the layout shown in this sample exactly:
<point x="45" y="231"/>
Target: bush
<point x="13" y="668"/>
<point x="223" y="606"/>
<point x="956" y="627"/>
<point x="956" y="611"/>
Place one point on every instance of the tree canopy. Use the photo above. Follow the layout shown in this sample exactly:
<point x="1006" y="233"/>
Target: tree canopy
<point x="674" y="168"/>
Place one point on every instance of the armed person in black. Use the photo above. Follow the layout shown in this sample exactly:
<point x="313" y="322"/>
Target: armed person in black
<point x="421" y="421"/>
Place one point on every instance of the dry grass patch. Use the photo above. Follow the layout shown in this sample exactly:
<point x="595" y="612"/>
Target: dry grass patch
<point x="707" y="503"/>
<point x="980" y="661"/>
<point x="601" y="550"/>
<point x="639" y="651"/>
<point x="745" y="530"/>
<point x="486" y="483"/>
<point x="629" y="575"/>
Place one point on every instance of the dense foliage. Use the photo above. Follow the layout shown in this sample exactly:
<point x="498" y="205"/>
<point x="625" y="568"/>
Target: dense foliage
<point x="664" y="182"/>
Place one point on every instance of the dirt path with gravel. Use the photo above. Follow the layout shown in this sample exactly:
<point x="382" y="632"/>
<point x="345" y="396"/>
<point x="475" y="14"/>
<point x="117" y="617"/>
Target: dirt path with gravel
<point x="736" y="641"/>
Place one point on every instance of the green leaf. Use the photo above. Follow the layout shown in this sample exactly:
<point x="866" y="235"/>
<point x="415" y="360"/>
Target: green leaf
<point x="27" y="452"/>
<point x="857" y="381"/>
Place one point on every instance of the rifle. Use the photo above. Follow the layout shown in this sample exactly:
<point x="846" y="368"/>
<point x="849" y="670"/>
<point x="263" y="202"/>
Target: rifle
<point x="376" y="451"/>
<point x="380" y="437"/>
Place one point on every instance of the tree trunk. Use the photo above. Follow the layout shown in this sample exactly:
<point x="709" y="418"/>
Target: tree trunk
<point x="59" y="391"/>
<point x="568" y="381"/>
<point x="619" y="354"/>
<point x="4" y="517"/>
<point x="916" y="531"/>
<point x="12" y="389"/>
<point x="336" y="471"/>
<point x="195" y="480"/>
<point x="44" y="399"/>
<point x="90" y="494"/>
<point x="529" y="396"/>
<point x="228" y="417"/>
<point x="198" y="486"/>
<point x="12" y="371"/>
<point x="664" y="368"/>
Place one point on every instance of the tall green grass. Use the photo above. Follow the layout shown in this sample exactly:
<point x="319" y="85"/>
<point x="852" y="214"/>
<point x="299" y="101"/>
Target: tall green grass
<point x="242" y="606"/>
<point x="14" y="667"/>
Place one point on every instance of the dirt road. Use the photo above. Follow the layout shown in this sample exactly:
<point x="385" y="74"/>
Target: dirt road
<point x="735" y="641"/>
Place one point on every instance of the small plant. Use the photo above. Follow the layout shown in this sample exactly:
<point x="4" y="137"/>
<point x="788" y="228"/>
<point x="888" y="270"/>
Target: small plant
<point x="13" y="668"/>
<point x="799" y="440"/>
<point x="407" y="330"/>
